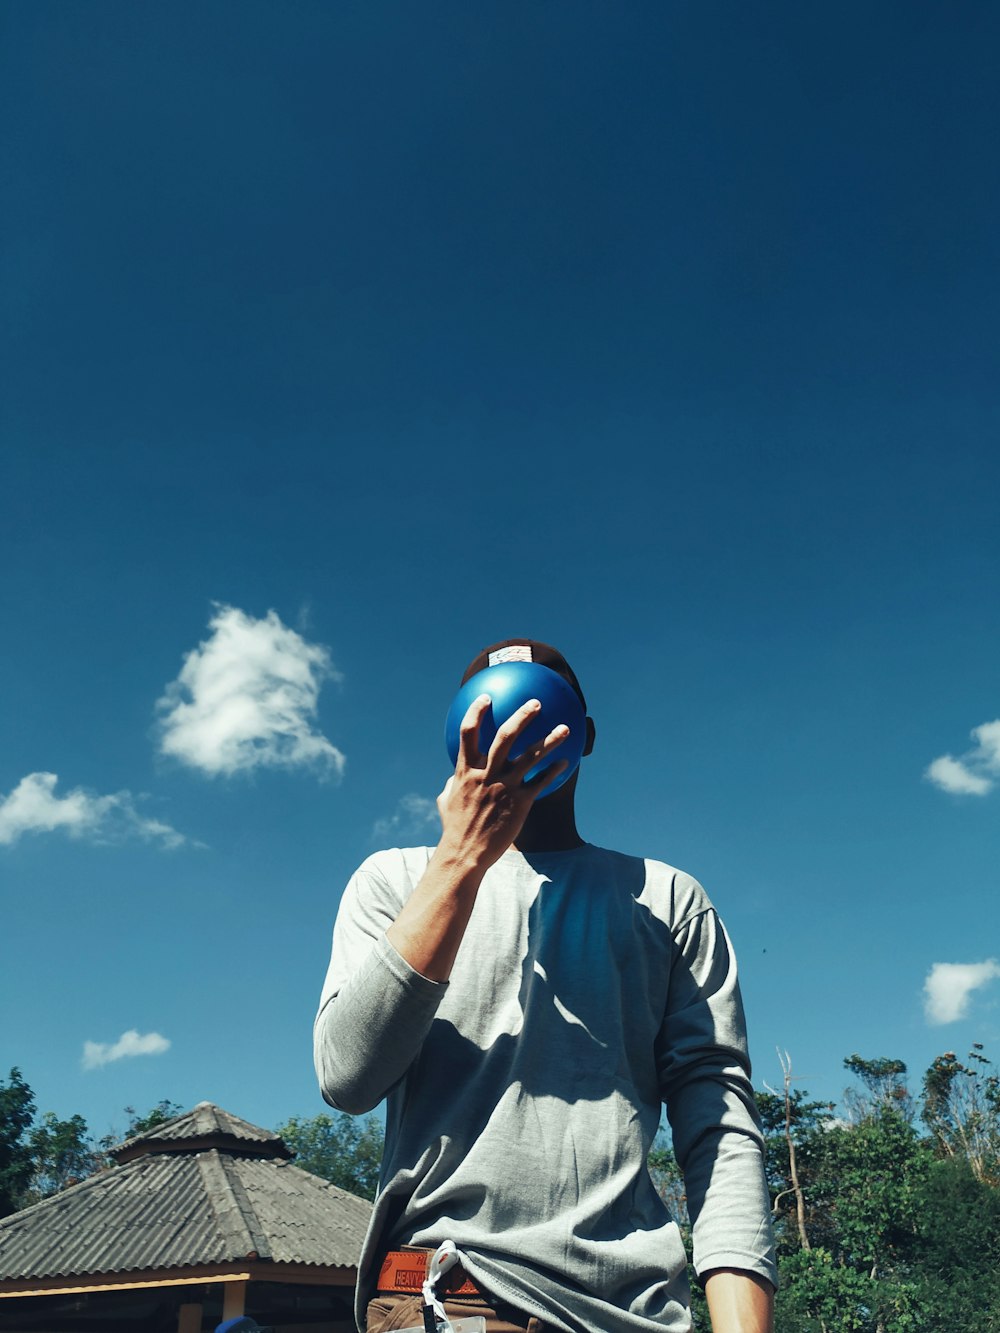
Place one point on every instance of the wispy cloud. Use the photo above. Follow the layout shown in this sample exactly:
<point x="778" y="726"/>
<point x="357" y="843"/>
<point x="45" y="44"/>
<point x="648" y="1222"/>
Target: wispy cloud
<point x="949" y="987"/>
<point x="129" y="1044"/>
<point x="246" y="698"/>
<point x="974" y="773"/>
<point x="413" y="817"/>
<point x="34" y="807"/>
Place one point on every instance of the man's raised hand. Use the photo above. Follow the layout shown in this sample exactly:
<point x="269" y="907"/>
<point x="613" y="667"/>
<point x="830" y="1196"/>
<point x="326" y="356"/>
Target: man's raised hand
<point x="486" y="801"/>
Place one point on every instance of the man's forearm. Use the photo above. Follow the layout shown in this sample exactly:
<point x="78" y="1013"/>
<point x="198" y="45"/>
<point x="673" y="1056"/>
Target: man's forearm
<point x="432" y="922"/>
<point x="739" y="1302"/>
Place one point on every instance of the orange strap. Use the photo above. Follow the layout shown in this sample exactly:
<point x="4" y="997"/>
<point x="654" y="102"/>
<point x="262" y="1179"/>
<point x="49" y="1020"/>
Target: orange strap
<point x="405" y="1270"/>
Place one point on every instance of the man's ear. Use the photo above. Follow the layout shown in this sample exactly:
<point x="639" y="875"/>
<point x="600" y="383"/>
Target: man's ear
<point x="591" y="736"/>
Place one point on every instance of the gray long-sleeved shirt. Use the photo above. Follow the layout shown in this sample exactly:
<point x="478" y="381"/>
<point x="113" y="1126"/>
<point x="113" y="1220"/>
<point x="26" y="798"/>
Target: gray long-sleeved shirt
<point x="524" y="1093"/>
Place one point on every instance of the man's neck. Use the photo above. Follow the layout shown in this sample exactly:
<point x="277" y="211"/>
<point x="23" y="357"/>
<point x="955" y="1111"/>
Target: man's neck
<point x="550" y="827"/>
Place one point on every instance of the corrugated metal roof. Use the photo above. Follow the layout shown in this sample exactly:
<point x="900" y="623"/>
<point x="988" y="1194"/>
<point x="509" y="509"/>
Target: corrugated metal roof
<point x="205" y="1122"/>
<point x="306" y="1220"/>
<point x="173" y="1209"/>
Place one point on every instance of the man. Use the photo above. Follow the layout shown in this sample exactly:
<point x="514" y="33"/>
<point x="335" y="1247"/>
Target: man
<point x="526" y="1001"/>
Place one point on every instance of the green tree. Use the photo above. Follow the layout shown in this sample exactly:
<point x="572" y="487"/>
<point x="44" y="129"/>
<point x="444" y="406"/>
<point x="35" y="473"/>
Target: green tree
<point x="847" y="1263"/>
<point x="866" y="1179"/>
<point x="790" y="1122"/>
<point x="62" y="1153"/>
<point x="961" y="1109"/>
<point x="17" y="1111"/>
<point x="38" y="1158"/>
<point x="819" y="1295"/>
<point x="884" y="1087"/>
<point x="158" y="1115"/>
<point x="41" y="1156"/>
<point x="137" y="1124"/>
<point x="958" y="1247"/>
<point x="343" y="1149"/>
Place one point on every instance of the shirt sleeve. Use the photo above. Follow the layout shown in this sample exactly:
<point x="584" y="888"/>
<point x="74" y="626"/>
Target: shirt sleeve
<point x="375" y="1010"/>
<point x="704" y="1073"/>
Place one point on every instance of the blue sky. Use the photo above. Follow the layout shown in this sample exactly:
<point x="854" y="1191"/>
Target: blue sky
<point x="340" y="341"/>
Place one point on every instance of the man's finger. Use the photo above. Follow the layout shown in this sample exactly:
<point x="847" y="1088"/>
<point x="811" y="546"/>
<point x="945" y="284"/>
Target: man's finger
<point x="508" y="734"/>
<point x="443" y="799"/>
<point x="469" y="752"/>
<point x="536" y="753"/>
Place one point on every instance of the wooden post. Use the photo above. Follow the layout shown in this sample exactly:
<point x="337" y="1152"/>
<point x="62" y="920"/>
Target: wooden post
<point x="189" y="1318"/>
<point x="234" y="1300"/>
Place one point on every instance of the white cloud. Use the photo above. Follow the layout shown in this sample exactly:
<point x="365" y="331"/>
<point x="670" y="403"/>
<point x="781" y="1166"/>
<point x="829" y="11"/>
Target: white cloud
<point x="34" y="807"/>
<point x="413" y="816"/>
<point x="949" y="986"/>
<point x="246" y="698"/>
<point x="98" y="1053"/>
<point x="975" y="772"/>
<point x="952" y="775"/>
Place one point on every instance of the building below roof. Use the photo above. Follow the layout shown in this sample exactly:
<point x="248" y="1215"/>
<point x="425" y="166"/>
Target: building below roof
<point x="203" y="1218"/>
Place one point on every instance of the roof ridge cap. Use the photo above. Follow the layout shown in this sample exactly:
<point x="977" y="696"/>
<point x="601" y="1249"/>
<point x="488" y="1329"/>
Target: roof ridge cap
<point x="248" y="1212"/>
<point x="223" y="1203"/>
